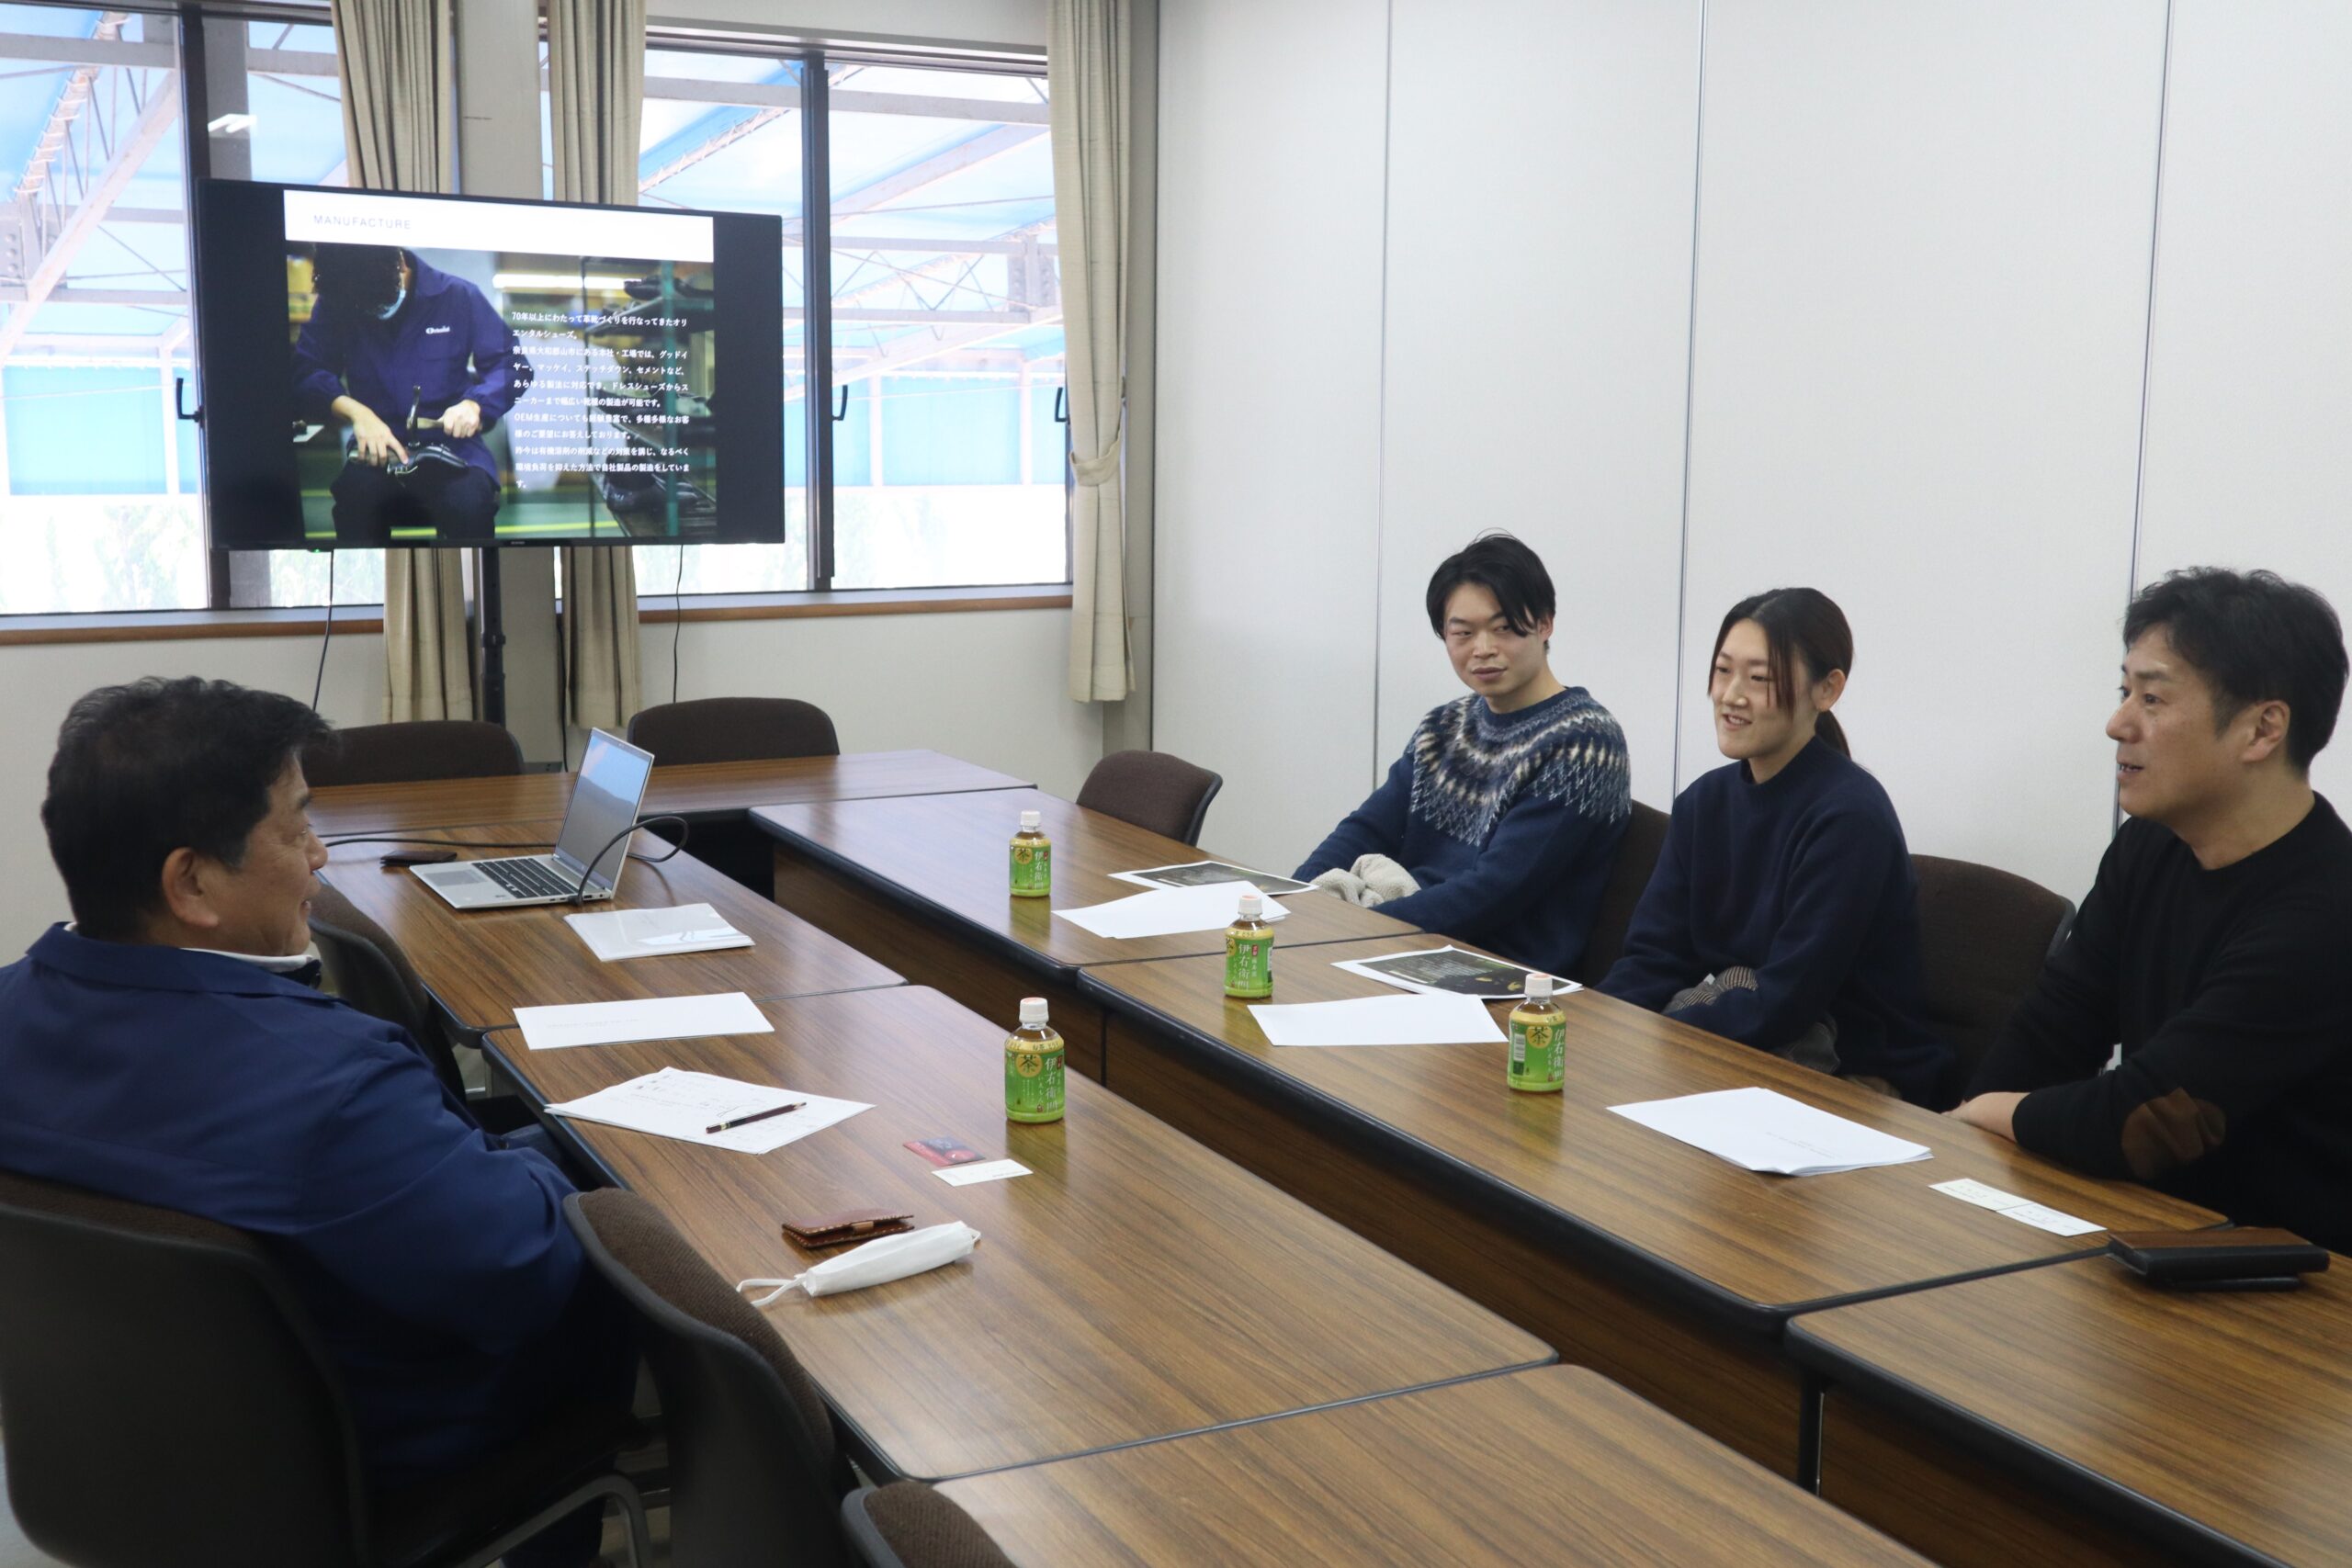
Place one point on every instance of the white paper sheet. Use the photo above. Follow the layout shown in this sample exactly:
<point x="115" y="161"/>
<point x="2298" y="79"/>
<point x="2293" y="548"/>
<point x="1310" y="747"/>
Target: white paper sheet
<point x="1167" y="911"/>
<point x="2022" y="1210"/>
<point x="1430" y="1018"/>
<point x="991" y="1170"/>
<point x="649" y="933"/>
<point x="655" y="1018"/>
<point x="1760" y="1130"/>
<point x="674" y="1103"/>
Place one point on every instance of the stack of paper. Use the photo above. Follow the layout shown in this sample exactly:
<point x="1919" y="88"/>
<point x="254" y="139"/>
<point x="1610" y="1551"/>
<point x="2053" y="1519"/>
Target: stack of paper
<point x="1431" y="1018"/>
<point x="1169" y="911"/>
<point x="1763" y="1131"/>
<point x="648" y="934"/>
<point x="655" y="1018"/>
<point x="674" y="1103"/>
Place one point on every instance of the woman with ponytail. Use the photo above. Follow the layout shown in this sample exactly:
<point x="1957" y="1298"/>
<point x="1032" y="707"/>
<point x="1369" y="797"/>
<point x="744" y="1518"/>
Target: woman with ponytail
<point x="1783" y="913"/>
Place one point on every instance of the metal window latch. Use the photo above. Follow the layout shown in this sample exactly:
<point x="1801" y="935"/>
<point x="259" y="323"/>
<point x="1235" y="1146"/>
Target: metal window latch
<point x="841" y="404"/>
<point x="1061" y="405"/>
<point x="179" y="402"/>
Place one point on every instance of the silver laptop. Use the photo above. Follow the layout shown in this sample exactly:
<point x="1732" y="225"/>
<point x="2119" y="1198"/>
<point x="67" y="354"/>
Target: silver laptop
<point x="605" y="799"/>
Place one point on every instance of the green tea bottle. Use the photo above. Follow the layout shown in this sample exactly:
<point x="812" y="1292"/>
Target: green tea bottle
<point x="1539" y="1046"/>
<point x="1032" y="858"/>
<point x="1033" y="1067"/>
<point x="1250" y="950"/>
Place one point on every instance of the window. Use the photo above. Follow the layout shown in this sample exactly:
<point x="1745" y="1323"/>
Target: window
<point x="103" y="481"/>
<point x="940" y="415"/>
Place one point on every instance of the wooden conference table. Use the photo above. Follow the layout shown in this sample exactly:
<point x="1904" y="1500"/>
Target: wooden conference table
<point x="1661" y="1265"/>
<point x="927" y="878"/>
<point x="1134" y="1286"/>
<point x="1555" y="1466"/>
<point x="2077" y="1415"/>
<point x="481" y="965"/>
<point x="697" y="790"/>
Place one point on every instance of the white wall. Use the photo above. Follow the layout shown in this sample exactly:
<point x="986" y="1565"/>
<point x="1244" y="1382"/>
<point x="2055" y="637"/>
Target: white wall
<point x="2249" y="400"/>
<point x="1535" y="378"/>
<point x="39" y="683"/>
<point x="1914" y="349"/>
<point x="1922" y="297"/>
<point x="1267" y="463"/>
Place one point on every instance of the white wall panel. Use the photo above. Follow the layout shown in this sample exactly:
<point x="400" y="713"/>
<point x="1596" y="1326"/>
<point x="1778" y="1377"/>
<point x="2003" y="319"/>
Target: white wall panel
<point x="2249" y="458"/>
<point x="1921" y="297"/>
<point x="1269" y="375"/>
<point x="1541" y="167"/>
<point x="38" y="683"/>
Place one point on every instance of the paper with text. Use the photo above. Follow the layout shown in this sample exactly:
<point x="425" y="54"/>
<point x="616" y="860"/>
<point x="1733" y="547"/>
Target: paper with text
<point x="2022" y="1210"/>
<point x="674" y="1103"/>
<point x="653" y="1018"/>
<point x="1436" y="1018"/>
<point x="1167" y="911"/>
<point x="1763" y="1131"/>
<point x="649" y="933"/>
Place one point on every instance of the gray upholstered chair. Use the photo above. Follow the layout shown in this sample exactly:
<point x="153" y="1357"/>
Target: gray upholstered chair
<point x="412" y="752"/>
<point x="1637" y="854"/>
<point x="910" y="1524"/>
<point x="734" y="730"/>
<point x="1983" y="936"/>
<point x="165" y="1403"/>
<point x="1153" y="790"/>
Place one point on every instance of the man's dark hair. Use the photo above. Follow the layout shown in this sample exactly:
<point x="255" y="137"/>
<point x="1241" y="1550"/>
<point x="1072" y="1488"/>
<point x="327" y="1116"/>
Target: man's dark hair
<point x="156" y="766"/>
<point x="1504" y="568"/>
<point x="359" y="277"/>
<point x="2256" y="638"/>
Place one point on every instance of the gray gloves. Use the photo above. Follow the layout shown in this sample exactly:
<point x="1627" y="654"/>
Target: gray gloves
<point x="1375" y="881"/>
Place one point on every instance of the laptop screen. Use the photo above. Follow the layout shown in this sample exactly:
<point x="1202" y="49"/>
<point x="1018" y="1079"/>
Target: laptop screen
<point x="605" y="799"/>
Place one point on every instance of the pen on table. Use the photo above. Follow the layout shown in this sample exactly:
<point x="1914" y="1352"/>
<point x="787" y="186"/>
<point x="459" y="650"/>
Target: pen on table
<point x="754" y="1116"/>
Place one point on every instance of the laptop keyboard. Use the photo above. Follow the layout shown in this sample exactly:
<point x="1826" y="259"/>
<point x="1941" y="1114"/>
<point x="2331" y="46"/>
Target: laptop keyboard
<point x="527" y="878"/>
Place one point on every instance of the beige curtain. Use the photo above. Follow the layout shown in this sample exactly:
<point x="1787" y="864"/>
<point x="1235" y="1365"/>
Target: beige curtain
<point x="596" y="97"/>
<point x="1088" y="80"/>
<point x="399" y="94"/>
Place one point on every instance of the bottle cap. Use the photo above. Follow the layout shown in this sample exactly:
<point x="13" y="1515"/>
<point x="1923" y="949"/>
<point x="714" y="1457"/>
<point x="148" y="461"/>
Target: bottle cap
<point x="1538" y="987"/>
<point x="1033" y="1012"/>
<point x="1254" y="906"/>
<point x="1029" y="821"/>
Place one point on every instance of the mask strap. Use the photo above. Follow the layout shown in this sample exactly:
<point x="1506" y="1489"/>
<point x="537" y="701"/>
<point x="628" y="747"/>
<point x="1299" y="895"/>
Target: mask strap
<point x="781" y="1286"/>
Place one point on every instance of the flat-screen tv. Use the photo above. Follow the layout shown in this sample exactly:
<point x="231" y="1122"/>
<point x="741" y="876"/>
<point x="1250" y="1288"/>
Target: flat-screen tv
<point x="409" y="370"/>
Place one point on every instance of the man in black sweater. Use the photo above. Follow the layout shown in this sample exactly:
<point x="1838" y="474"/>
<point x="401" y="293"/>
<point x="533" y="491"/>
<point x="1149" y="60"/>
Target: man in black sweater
<point x="2213" y="944"/>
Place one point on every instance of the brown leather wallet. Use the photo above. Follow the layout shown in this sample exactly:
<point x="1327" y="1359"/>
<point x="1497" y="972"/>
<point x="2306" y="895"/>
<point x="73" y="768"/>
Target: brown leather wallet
<point x="823" y="1231"/>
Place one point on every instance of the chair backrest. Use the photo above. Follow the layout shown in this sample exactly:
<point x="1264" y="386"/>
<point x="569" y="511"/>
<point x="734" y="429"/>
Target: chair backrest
<point x="1637" y="854"/>
<point x="1983" y="935"/>
<point x="163" y="1398"/>
<point x="734" y="730"/>
<point x="755" y="1470"/>
<point x="1154" y="790"/>
<point x="413" y="751"/>
<point x="910" y="1524"/>
<point x="367" y="968"/>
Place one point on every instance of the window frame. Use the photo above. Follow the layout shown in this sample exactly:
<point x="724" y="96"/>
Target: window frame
<point x="225" y="570"/>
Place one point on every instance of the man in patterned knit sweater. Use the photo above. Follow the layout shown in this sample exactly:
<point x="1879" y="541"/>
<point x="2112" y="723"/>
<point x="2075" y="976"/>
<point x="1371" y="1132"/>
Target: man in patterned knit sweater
<point x="1500" y="823"/>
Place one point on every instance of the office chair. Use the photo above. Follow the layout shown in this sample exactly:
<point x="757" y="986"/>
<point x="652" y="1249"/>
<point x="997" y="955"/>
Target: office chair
<point x="1637" y="854"/>
<point x="412" y="752"/>
<point x="1153" y="790"/>
<point x="755" y="1469"/>
<point x="1983" y="936"/>
<point x="910" y="1524"/>
<point x="167" y="1403"/>
<point x="734" y="730"/>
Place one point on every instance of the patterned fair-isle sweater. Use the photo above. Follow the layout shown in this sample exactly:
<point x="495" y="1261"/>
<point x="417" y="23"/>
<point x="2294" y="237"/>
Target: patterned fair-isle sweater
<point x="1508" y="821"/>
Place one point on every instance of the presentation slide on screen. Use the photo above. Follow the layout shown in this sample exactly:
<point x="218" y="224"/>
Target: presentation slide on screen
<point x="466" y="372"/>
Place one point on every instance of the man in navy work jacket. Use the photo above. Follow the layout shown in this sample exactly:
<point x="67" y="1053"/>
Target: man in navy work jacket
<point x="168" y="1047"/>
<point x="392" y="334"/>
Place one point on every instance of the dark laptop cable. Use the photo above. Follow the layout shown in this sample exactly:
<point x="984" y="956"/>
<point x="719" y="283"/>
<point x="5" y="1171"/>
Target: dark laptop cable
<point x="580" y="893"/>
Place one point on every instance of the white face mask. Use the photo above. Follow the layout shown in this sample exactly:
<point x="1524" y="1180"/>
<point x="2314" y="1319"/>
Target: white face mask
<point x="877" y="1263"/>
<point x="389" y="311"/>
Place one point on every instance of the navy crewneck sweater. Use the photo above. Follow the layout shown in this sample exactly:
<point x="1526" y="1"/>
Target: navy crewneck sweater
<point x="1508" y="821"/>
<point x="1804" y="879"/>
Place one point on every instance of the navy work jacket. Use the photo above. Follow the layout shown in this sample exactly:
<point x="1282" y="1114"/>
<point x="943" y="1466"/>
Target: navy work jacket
<point x="434" y="1259"/>
<point x="446" y="344"/>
